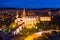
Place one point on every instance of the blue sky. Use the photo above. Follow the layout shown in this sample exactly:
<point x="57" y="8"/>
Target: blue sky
<point x="29" y="4"/>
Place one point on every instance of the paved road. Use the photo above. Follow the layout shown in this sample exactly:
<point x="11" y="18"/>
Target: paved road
<point x="39" y="34"/>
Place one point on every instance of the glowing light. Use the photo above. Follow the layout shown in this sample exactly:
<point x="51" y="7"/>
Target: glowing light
<point x="29" y="26"/>
<point x="39" y="33"/>
<point x="17" y="30"/>
<point x="29" y="38"/>
<point x="36" y="35"/>
<point x="45" y="18"/>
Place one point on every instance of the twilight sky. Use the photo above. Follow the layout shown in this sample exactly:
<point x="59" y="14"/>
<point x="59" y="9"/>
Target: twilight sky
<point x="29" y="4"/>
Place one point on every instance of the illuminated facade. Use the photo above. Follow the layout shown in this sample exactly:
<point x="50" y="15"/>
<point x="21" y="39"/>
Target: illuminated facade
<point x="45" y="18"/>
<point x="30" y="18"/>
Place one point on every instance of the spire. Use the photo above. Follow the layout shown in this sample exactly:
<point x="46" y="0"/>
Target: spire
<point x="23" y="14"/>
<point x="17" y="15"/>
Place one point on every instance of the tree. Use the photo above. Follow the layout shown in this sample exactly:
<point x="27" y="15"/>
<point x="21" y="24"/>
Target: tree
<point x="42" y="24"/>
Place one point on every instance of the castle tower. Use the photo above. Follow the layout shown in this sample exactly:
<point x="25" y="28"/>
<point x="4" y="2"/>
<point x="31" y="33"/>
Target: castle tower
<point x="49" y="12"/>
